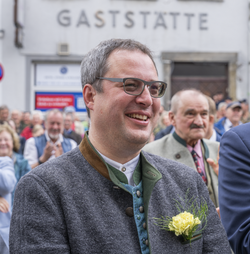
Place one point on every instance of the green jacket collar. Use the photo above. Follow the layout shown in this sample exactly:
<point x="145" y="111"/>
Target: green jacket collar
<point x="183" y="142"/>
<point x="144" y="170"/>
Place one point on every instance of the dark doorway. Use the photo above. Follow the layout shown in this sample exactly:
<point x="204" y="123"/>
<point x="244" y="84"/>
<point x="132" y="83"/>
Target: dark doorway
<point x="209" y="78"/>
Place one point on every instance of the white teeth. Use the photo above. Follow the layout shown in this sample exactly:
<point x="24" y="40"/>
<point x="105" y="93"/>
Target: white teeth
<point x="137" y="116"/>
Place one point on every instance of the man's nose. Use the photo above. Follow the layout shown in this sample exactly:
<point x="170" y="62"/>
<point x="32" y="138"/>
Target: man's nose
<point x="145" y="98"/>
<point x="198" y="120"/>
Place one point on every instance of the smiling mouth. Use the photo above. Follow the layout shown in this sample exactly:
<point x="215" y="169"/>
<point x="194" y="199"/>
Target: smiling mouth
<point x="137" y="116"/>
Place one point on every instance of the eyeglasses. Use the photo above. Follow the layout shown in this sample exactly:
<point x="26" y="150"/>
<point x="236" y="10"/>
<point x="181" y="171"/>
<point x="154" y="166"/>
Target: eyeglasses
<point x="136" y="86"/>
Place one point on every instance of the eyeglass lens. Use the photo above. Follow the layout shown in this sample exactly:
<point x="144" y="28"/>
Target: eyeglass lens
<point x="134" y="87"/>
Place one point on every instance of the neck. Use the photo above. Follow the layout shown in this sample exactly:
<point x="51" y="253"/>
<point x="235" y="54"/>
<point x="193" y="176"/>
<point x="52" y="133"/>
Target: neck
<point x="235" y="123"/>
<point x="192" y="143"/>
<point x="118" y="153"/>
<point x="209" y="132"/>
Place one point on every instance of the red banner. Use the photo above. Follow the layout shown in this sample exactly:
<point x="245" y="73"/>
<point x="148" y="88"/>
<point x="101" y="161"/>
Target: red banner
<point x="44" y="101"/>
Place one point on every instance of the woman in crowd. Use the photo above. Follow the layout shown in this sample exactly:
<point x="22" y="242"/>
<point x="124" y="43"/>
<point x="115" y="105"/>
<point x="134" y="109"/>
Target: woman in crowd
<point x="7" y="184"/>
<point x="9" y="145"/>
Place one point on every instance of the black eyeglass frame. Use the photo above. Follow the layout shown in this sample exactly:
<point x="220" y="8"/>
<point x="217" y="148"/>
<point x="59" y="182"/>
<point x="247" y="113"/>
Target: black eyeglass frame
<point x="146" y="83"/>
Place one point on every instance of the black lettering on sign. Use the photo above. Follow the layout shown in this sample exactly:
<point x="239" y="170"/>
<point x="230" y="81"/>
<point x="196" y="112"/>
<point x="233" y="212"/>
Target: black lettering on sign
<point x="83" y="20"/>
<point x="203" y="20"/>
<point x="131" y="22"/>
<point x="97" y="15"/>
<point x="174" y="14"/>
<point x="144" y="13"/>
<point x="63" y="19"/>
<point x="189" y="16"/>
<point x="114" y="17"/>
<point x="160" y="21"/>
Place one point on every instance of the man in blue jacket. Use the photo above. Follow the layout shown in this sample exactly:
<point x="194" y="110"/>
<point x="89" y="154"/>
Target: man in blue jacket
<point x="232" y="118"/>
<point x="234" y="187"/>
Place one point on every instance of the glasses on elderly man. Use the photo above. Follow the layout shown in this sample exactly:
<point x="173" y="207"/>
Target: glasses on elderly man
<point x="136" y="86"/>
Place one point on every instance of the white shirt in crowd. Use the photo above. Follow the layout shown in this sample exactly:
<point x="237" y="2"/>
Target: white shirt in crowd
<point x="228" y="125"/>
<point x="30" y="151"/>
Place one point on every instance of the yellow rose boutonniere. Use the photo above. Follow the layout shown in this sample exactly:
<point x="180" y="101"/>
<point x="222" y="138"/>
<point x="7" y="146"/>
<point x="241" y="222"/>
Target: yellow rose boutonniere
<point x="186" y="223"/>
<point x="183" y="223"/>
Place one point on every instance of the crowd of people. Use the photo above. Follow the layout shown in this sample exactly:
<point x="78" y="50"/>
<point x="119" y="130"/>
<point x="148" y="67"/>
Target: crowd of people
<point x="28" y="140"/>
<point x="100" y="191"/>
<point x="222" y="117"/>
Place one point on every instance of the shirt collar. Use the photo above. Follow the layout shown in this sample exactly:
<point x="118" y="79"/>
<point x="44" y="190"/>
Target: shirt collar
<point x="130" y="166"/>
<point x="228" y="125"/>
<point x="183" y="142"/>
<point x="196" y="148"/>
<point x="59" y="140"/>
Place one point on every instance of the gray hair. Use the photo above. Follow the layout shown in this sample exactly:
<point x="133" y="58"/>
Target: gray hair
<point x="221" y="105"/>
<point x="16" y="111"/>
<point x="4" y="107"/>
<point x="175" y="101"/>
<point x="68" y="114"/>
<point x="37" y="112"/>
<point x="95" y="63"/>
<point x="52" y="111"/>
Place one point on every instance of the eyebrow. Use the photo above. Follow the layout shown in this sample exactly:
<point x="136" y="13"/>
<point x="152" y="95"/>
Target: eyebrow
<point x="193" y="110"/>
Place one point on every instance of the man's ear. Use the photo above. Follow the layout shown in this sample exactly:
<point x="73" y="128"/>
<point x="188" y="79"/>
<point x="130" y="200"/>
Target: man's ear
<point x="89" y="93"/>
<point x="171" y="117"/>
<point x="211" y="119"/>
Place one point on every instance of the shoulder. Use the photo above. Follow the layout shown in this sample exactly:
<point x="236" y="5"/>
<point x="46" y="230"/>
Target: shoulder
<point x="163" y="132"/>
<point x="20" y="158"/>
<point x="5" y="161"/>
<point x="59" y="168"/>
<point x="157" y="143"/>
<point x="170" y="168"/>
<point x="220" y="122"/>
<point x="71" y="141"/>
<point x="30" y="141"/>
<point x="27" y="128"/>
<point x="241" y="130"/>
<point x="210" y="143"/>
<point x="237" y="135"/>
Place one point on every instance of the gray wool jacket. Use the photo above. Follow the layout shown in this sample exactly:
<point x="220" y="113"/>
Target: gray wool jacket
<point x="70" y="205"/>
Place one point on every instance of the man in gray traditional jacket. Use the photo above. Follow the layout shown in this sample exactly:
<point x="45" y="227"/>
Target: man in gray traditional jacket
<point x="102" y="196"/>
<point x="189" y="115"/>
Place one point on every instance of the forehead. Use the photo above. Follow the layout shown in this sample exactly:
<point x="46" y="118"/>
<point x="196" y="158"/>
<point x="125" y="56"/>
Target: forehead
<point x="36" y="116"/>
<point x="5" y="134"/>
<point x="192" y="101"/>
<point x="236" y="108"/>
<point x="126" y="63"/>
<point x="68" y="117"/>
<point x="55" y="117"/>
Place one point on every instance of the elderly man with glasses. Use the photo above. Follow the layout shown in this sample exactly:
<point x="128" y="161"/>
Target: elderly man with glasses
<point x="102" y="196"/>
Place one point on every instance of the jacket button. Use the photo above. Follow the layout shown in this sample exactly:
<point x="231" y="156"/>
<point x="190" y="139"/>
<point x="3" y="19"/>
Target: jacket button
<point x="141" y="209"/>
<point x="144" y="225"/>
<point x="177" y="156"/>
<point x="129" y="212"/>
<point x="146" y="242"/>
<point x="138" y="193"/>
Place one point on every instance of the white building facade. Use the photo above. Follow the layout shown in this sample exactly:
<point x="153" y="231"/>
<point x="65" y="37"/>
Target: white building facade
<point x="202" y="44"/>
